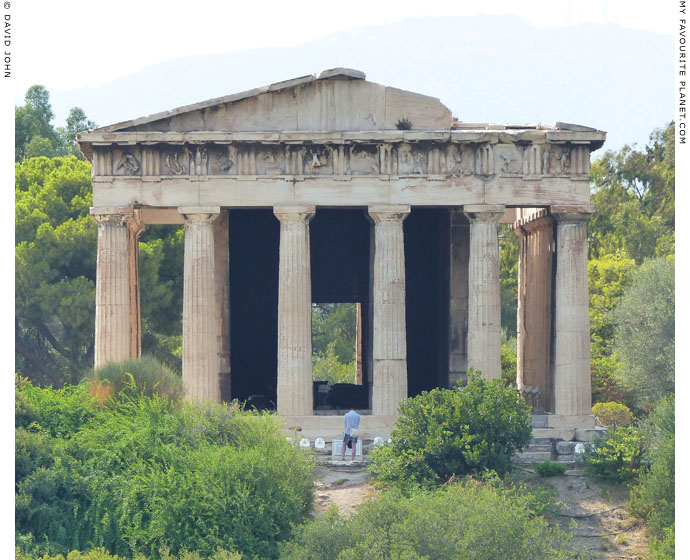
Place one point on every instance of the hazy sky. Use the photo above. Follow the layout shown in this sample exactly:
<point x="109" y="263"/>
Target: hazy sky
<point x="76" y="43"/>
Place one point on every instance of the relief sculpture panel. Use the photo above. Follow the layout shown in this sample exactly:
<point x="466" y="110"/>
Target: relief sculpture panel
<point x="127" y="162"/>
<point x="411" y="161"/>
<point x="364" y="160"/>
<point x="319" y="161"/>
<point x="507" y="159"/>
<point x="270" y="161"/>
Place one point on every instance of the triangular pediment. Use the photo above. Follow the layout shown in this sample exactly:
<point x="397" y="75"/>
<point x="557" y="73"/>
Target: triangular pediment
<point x="336" y="99"/>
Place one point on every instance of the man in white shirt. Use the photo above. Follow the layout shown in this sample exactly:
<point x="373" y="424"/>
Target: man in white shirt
<point x="351" y="432"/>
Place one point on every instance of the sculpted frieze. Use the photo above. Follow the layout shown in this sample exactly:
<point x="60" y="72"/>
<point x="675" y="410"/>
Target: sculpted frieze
<point x="364" y="160"/>
<point x="507" y="159"/>
<point x="460" y="159"/>
<point x="411" y="161"/>
<point x="318" y="161"/>
<point x="530" y="161"/>
<point x="127" y="163"/>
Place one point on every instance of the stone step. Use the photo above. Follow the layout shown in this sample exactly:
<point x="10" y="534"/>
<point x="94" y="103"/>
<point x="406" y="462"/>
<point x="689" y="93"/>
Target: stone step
<point x="532" y="456"/>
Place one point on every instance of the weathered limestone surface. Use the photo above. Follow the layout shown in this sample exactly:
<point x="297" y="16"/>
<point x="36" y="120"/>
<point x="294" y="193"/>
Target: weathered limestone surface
<point x="221" y="256"/>
<point x="484" y="306"/>
<point x="571" y="352"/>
<point x="200" y="349"/>
<point x="459" y="260"/>
<point x="331" y="140"/>
<point x="535" y="276"/>
<point x="117" y="318"/>
<point x="295" y="395"/>
<point x="390" y="343"/>
<point x="336" y="99"/>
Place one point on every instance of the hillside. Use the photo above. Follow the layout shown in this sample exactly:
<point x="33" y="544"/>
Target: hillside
<point x="484" y="68"/>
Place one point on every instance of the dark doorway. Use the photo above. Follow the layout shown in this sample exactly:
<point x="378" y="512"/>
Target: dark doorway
<point x="427" y="239"/>
<point x="254" y="251"/>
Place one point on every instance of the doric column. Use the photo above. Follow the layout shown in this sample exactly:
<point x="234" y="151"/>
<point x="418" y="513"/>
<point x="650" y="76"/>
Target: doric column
<point x="295" y="383"/>
<point x="117" y="310"/>
<point x="457" y="323"/>
<point x="484" y="306"/>
<point x="390" y="344"/>
<point x="200" y="349"/>
<point x="571" y="352"/>
<point x="221" y="240"/>
<point x="535" y="278"/>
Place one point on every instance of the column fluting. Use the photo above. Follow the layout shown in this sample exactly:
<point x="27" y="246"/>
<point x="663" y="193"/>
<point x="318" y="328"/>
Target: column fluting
<point x="295" y="383"/>
<point x="200" y="349"/>
<point x="113" y="333"/>
<point x="484" y="305"/>
<point x="571" y="351"/>
<point x="390" y="335"/>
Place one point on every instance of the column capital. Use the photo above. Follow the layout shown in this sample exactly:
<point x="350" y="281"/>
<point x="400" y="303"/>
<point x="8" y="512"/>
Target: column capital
<point x="112" y="215"/>
<point x="292" y="214"/>
<point x="571" y="214"/>
<point x="199" y="213"/>
<point x="389" y="214"/>
<point x="484" y="213"/>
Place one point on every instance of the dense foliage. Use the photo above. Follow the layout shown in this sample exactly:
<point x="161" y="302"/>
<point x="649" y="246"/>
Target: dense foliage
<point x="467" y="520"/>
<point x="617" y="457"/>
<point x="612" y="414"/>
<point x="142" y="472"/>
<point x="34" y="135"/>
<point x="447" y="432"/>
<point x="645" y="333"/>
<point x="55" y="275"/>
<point x="654" y="498"/>
<point x="633" y="192"/>
<point x="549" y="468"/>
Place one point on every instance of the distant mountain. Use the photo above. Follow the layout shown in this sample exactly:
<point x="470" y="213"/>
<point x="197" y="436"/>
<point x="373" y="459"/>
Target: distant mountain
<point x="484" y="68"/>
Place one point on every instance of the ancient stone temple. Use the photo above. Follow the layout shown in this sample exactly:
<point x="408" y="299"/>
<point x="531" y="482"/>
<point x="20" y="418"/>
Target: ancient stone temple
<point x="330" y="188"/>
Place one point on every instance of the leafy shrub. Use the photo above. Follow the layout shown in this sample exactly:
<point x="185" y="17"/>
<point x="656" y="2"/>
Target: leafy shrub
<point x="149" y="472"/>
<point x="57" y="411"/>
<point x="612" y="414"/>
<point x="549" y="468"/>
<point x="461" y="520"/>
<point x="135" y="376"/>
<point x="645" y="332"/>
<point x="102" y="554"/>
<point x="447" y="432"/>
<point x="653" y="499"/>
<point x="664" y="548"/>
<point x="509" y="362"/>
<point x="618" y="457"/>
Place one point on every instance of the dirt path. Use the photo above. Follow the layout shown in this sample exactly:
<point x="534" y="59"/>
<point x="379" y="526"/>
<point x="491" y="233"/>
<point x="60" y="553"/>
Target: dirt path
<point x="603" y="526"/>
<point x="345" y="489"/>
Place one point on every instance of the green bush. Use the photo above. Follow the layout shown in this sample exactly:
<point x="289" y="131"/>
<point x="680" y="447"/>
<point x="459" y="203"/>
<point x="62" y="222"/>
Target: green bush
<point x="57" y="411"/>
<point x="148" y="472"/>
<point x="664" y="548"/>
<point x="653" y="499"/>
<point x="612" y="414"/>
<point x="461" y="520"/>
<point x="509" y="362"/>
<point x="135" y="377"/>
<point x="447" y="432"/>
<point x="549" y="468"/>
<point x="102" y="554"/>
<point x="617" y="458"/>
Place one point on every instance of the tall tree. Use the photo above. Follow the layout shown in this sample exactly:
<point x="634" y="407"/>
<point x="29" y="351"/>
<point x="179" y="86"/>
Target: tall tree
<point x="35" y="136"/>
<point x="645" y="332"/>
<point x="634" y="197"/>
<point x="55" y="271"/>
